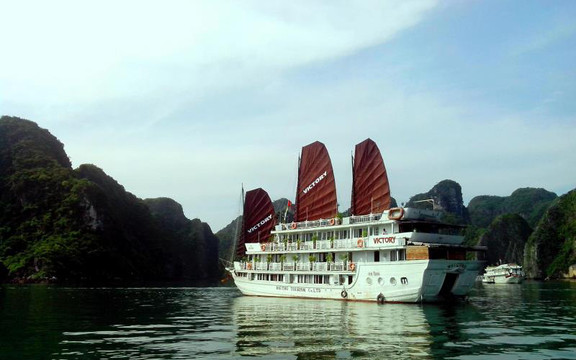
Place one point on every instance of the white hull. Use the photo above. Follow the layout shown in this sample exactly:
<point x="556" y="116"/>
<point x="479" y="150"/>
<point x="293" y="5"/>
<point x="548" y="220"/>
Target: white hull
<point x="502" y="279"/>
<point x="402" y="281"/>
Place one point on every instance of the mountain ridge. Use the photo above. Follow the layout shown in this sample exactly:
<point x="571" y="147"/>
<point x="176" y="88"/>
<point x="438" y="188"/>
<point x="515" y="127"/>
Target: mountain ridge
<point x="81" y="225"/>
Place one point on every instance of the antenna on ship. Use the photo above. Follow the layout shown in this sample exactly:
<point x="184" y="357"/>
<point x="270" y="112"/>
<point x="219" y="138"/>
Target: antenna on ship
<point x="431" y="201"/>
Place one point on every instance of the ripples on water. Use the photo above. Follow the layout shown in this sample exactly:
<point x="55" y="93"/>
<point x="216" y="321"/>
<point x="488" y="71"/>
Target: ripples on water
<point x="529" y="321"/>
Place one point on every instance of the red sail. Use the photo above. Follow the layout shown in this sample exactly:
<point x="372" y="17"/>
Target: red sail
<point x="316" y="192"/>
<point x="370" y="189"/>
<point x="258" y="219"/>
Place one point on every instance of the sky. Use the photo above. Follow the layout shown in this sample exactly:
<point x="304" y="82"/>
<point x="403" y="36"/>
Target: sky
<point x="194" y="99"/>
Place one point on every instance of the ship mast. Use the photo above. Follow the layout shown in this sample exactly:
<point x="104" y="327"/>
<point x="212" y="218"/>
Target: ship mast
<point x="237" y="230"/>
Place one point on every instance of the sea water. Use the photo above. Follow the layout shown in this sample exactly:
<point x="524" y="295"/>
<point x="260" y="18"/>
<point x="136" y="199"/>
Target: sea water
<point x="534" y="320"/>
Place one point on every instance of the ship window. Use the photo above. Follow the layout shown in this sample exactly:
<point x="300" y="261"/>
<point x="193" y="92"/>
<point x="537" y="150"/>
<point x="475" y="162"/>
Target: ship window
<point x="402" y="254"/>
<point x="349" y="279"/>
<point x="393" y="255"/>
<point x="376" y="256"/>
<point x="404" y="280"/>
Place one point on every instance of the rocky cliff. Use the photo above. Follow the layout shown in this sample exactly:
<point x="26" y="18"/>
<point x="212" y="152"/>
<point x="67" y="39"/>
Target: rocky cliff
<point x="530" y="203"/>
<point x="551" y="249"/>
<point x="80" y="225"/>
<point x="447" y="196"/>
<point x="194" y="253"/>
<point x="505" y="238"/>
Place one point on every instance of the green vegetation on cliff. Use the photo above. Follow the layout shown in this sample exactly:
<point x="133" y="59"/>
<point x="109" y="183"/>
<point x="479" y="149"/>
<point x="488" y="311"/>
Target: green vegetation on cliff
<point x="505" y="239"/>
<point x="194" y="248"/>
<point x="41" y="233"/>
<point x="56" y="222"/>
<point x="530" y="203"/>
<point x="552" y="247"/>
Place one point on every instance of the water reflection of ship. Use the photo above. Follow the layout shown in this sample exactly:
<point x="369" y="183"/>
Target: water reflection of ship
<point x="329" y="329"/>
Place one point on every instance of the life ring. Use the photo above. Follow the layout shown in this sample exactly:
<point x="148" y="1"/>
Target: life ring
<point x="293" y="225"/>
<point x="332" y="221"/>
<point x="263" y="247"/>
<point x="360" y="243"/>
<point x="395" y="213"/>
<point x="380" y="299"/>
<point x="344" y="294"/>
<point x="352" y="266"/>
<point x="249" y="266"/>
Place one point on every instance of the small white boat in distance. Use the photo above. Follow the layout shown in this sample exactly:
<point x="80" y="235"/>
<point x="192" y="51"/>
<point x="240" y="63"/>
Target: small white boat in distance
<point x="503" y="274"/>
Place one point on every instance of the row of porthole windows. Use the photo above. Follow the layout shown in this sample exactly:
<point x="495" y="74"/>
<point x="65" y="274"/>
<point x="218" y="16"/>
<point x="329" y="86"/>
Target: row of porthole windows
<point x="403" y="281"/>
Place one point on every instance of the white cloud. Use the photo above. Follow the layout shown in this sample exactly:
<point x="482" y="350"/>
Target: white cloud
<point x="60" y="51"/>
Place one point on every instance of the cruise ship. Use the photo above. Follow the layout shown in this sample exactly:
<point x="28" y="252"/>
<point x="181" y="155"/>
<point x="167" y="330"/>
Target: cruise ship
<point x="378" y="253"/>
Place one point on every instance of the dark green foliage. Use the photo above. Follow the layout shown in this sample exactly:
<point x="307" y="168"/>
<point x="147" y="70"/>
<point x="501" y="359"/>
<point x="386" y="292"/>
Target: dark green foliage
<point x="505" y="239"/>
<point x="59" y="223"/>
<point x="227" y="237"/>
<point x="552" y="247"/>
<point x="192" y="246"/>
<point x="530" y="203"/>
<point x="506" y="236"/>
<point x="40" y="211"/>
<point x="484" y="209"/>
<point x="472" y="235"/>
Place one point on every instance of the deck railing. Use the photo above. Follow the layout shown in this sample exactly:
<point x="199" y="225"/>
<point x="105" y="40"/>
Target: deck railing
<point x="365" y="218"/>
<point x="328" y="222"/>
<point x="301" y="266"/>
<point x="313" y="245"/>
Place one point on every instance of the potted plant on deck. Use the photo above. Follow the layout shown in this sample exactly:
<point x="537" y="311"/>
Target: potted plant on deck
<point x="268" y="260"/>
<point x="329" y="260"/>
<point x="312" y="260"/>
<point x="295" y="260"/>
<point x="344" y="258"/>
